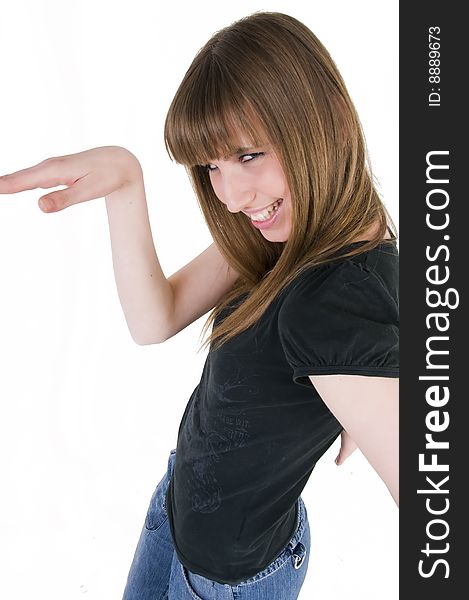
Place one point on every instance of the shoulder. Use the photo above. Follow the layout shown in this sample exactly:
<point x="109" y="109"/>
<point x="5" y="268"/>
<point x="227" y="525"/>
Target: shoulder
<point x="370" y="280"/>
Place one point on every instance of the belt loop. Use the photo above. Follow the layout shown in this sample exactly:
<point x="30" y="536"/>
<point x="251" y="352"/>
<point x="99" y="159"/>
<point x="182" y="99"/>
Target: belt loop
<point x="298" y="555"/>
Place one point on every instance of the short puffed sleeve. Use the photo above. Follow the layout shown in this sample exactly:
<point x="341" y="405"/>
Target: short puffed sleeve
<point x="343" y="319"/>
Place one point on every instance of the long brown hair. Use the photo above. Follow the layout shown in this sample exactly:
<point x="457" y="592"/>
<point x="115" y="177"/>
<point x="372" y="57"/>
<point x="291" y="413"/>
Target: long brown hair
<point x="269" y="77"/>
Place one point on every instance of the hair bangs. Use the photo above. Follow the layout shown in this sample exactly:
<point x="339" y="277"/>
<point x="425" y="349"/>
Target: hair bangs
<point x="208" y="120"/>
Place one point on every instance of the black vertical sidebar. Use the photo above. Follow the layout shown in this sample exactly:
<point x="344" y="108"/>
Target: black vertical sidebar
<point x="434" y="253"/>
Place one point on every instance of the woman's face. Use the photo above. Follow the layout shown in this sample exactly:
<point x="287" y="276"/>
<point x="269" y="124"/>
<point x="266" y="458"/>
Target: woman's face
<point x="252" y="181"/>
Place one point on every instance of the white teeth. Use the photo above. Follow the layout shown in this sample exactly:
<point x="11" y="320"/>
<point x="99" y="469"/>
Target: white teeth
<point x="266" y="213"/>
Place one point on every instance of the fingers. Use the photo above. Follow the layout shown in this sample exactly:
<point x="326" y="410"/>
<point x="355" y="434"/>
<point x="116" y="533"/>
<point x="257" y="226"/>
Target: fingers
<point x="86" y="175"/>
<point x="343" y="455"/>
<point x="46" y="174"/>
<point x="79" y="192"/>
<point x="347" y="447"/>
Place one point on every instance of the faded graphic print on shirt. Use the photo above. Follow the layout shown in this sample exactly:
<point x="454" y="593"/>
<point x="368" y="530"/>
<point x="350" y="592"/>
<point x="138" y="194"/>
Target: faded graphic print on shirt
<point x="223" y="430"/>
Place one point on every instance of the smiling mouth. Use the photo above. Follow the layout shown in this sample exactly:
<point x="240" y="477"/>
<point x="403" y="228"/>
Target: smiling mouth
<point x="266" y="213"/>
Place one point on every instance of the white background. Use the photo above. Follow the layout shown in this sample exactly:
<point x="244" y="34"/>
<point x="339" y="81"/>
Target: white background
<point x="87" y="416"/>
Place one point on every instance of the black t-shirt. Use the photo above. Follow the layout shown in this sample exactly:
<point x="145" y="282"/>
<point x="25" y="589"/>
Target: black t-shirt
<point x="254" y="427"/>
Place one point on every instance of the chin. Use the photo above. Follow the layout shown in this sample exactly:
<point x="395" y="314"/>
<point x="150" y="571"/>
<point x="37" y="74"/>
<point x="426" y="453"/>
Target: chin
<point x="275" y="236"/>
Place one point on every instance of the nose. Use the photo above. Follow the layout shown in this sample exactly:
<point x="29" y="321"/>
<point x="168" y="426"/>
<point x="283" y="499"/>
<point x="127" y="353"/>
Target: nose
<point x="234" y="190"/>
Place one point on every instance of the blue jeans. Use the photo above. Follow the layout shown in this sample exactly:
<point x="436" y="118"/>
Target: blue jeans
<point x="157" y="574"/>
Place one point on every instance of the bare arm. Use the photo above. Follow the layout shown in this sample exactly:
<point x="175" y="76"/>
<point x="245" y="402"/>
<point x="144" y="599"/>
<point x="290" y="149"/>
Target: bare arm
<point x="368" y="408"/>
<point x="198" y="286"/>
<point x="156" y="307"/>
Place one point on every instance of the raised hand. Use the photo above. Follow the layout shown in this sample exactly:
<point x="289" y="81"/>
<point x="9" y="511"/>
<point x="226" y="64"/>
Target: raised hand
<point x="90" y="174"/>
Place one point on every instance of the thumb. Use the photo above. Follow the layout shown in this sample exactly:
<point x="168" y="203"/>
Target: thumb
<point x="79" y="191"/>
<point x="47" y="204"/>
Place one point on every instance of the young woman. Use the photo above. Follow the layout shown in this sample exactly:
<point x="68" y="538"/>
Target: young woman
<point x="302" y="278"/>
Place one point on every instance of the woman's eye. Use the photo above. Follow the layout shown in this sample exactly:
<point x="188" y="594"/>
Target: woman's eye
<point x="250" y="157"/>
<point x="254" y="155"/>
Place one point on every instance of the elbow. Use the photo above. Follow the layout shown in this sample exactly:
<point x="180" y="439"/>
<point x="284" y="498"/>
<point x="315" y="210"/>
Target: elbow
<point x="151" y="342"/>
<point x="394" y="491"/>
<point x="392" y="483"/>
<point x="141" y="340"/>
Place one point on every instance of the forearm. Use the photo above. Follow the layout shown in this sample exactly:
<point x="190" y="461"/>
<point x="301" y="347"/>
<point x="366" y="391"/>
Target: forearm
<point x="144" y="292"/>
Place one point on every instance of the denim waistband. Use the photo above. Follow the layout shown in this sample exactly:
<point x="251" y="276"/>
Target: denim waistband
<point x="300" y="523"/>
